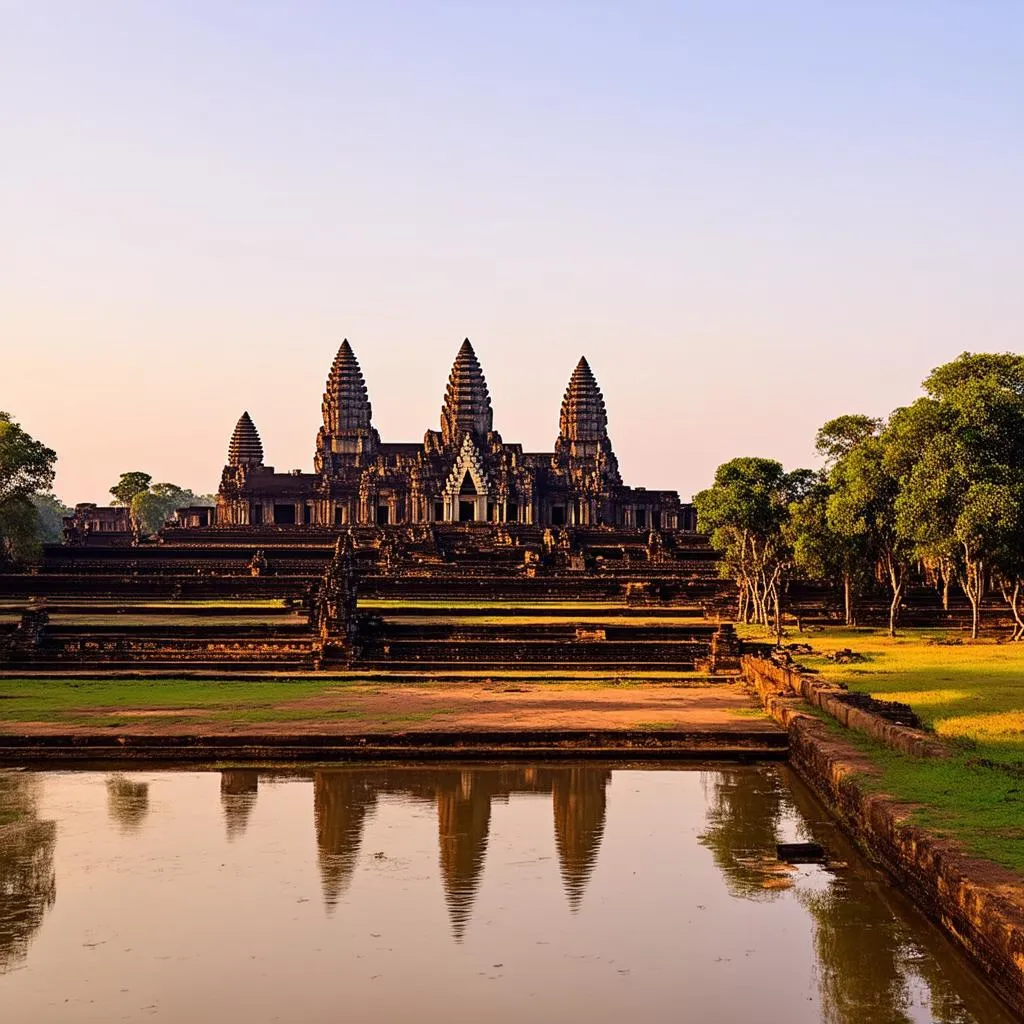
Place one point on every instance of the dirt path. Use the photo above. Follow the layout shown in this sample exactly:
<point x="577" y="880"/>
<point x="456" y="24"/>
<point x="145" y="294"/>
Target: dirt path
<point x="450" y="707"/>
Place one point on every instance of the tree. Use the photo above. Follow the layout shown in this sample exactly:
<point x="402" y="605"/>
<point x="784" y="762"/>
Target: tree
<point x="50" y="513"/>
<point x="821" y="551"/>
<point x="838" y="437"/>
<point x="129" y="486"/>
<point x="151" y="508"/>
<point x="960" y="452"/>
<point x="746" y="511"/>
<point x="26" y="467"/>
<point x="862" y="509"/>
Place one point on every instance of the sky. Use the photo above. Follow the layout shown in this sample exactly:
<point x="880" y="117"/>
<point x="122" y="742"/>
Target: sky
<point x="751" y="217"/>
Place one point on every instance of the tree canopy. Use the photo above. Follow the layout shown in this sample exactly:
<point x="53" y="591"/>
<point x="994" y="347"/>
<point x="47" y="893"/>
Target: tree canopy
<point x="129" y="486"/>
<point x="27" y="468"/>
<point x="746" y="511"/>
<point x="151" y="508"/>
<point x="960" y="455"/>
<point x="935" y="490"/>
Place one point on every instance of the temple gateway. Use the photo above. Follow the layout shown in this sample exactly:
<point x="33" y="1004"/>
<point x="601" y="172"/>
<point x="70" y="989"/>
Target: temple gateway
<point x="462" y="473"/>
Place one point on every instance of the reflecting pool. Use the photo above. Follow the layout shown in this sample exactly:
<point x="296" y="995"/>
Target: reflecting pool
<point x="496" y="893"/>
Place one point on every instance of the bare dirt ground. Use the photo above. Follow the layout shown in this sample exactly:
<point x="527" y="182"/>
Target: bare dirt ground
<point x="451" y="707"/>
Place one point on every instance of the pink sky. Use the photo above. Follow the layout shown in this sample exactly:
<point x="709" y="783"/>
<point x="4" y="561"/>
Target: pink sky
<point x="750" y="218"/>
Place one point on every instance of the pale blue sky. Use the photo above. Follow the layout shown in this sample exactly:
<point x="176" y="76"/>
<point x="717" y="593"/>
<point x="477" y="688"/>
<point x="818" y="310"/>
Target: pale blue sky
<point x="750" y="217"/>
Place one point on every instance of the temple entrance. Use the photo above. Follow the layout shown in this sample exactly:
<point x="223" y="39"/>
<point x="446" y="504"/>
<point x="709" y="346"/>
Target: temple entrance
<point x="467" y="500"/>
<point x="383" y="515"/>
<point x="558" y="515"/>
<point x="284" y="515"/>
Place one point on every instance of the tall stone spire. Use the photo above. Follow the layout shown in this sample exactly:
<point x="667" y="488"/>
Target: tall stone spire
<point x="467" y="405"/>
<point x="347" y="428"/>
<point x="583" y="416"/>
<point x="346" y="404"/>
<point x="245" y="448"/>
<point x="583" y="450"/>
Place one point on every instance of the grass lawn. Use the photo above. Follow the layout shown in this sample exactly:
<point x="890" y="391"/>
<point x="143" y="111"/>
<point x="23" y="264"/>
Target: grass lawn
<point x="128" y="703"/>
<point x="69" y="701"/>
<point x="971" y="694"/>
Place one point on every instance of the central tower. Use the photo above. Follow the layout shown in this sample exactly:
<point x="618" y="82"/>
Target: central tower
<point x="347" y="436"/>
<point x="467" y="405"/>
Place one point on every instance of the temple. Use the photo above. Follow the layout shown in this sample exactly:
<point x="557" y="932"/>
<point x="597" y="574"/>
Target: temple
<point x="463" y="473"/>
<point x="394" y="557"/>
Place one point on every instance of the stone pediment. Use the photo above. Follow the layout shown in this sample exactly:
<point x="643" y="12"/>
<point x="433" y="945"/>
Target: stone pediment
<point x="467" y="462"/>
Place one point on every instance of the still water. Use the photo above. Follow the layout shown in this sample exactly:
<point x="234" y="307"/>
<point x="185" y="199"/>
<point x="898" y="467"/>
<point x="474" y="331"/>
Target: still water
<point x="493" y="893"/>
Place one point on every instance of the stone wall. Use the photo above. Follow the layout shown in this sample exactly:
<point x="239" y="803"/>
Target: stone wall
<point x="778" y="685"/>
<point x="979" y="904"/>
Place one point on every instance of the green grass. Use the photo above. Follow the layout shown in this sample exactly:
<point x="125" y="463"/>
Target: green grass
<point x="444" y="605"/>
<point x="611" y="616"/>
<point x="972" y="695"/>
<point x="69" y="700"/>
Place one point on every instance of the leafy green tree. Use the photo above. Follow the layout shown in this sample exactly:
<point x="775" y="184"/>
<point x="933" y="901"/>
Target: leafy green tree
<point x="838" y="437"/>
<point x="960" y="452"/>
<point x="50" y="513"/>
<point x="820" y="552"/>
<point x="26" y="468"/>
<point x="746" y="511"/>
<point x="1008" y="559"/>
<point x="129" y="486"/>
<point x="151" y="508"/>
<point x="862" y="510"/>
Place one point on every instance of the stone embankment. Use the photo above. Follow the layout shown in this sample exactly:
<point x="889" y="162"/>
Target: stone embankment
<point x="701" y="744"/>
<point x="980" y="905"/>
<point x="776" y="685"/>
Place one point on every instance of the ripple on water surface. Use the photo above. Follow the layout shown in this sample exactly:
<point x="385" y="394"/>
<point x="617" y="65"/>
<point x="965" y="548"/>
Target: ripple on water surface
<point x="546" y="892"/>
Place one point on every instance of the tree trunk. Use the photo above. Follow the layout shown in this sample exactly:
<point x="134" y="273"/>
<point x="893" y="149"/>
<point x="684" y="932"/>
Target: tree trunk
<point x="974" y="587"/>
<point x="1011" y="598"/>
<point x="897" y="576"/>
<point x="847" y="599"/>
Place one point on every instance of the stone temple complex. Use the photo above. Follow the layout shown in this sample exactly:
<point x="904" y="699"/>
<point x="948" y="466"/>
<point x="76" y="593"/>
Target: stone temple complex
<point x="392" y="557"/>
<point x="463" y="473"/>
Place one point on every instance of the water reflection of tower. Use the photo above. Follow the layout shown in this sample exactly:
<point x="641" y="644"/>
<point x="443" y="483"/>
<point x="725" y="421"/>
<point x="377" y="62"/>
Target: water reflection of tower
<point x="463" y="824"/>
<point x="579" y="802"/>
<point x="28" y="883"/>
<point x="341" y="801"/>
<point x="238" y="791"/>
<point x="343" y="798"/>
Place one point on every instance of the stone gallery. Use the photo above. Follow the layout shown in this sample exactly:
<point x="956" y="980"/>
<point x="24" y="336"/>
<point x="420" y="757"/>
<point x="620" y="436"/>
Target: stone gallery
<point x="463" y="473"/>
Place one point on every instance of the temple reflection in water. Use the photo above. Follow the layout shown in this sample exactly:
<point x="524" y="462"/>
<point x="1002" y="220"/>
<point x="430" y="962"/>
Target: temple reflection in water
<point x="344" y="799"/>
<point x="683" y="843"/>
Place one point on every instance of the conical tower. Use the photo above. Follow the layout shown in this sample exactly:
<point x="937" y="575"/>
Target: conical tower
<point x="245" y="448"/>
<point x="583" y="417"/>
<point x="467" y="405"/>
<point x="347" y="434"/>
<point x="583" y="443"/>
